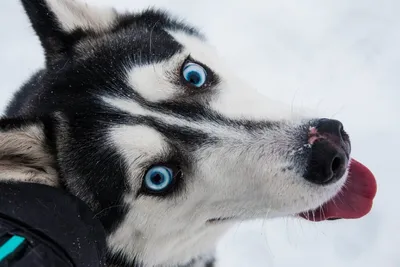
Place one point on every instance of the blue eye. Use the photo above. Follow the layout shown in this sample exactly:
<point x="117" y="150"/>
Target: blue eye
<point x="158" y="178"/>
<point x="195" y="74"/>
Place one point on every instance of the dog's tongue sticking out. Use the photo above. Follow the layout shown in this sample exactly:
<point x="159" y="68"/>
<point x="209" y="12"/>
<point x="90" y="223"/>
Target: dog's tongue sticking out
<point x="353" y="201"/>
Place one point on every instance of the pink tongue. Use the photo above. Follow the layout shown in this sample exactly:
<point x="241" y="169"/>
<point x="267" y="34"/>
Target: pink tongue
<point x="353" y="201"/>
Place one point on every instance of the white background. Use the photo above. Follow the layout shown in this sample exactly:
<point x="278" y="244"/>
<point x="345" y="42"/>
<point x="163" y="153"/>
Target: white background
<point x="338" y="57"/>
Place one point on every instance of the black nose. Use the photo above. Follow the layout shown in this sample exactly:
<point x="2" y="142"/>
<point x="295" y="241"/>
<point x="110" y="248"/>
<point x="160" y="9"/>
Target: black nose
<point x="330" y="148"/>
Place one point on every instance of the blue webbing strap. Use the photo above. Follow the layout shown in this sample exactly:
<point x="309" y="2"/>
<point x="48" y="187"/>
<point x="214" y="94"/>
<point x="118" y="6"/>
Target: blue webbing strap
<point x="10" y="246"/>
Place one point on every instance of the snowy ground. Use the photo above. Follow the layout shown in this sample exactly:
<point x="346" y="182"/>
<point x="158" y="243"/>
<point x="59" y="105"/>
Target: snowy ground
<point x="339" y="57"/>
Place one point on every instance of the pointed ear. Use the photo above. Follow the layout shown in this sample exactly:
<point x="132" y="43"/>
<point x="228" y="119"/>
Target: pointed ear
<point x="61" y="23"/>
<point x="25" y="154"/>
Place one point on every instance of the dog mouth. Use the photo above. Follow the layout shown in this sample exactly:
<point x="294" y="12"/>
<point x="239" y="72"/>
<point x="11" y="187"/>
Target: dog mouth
<point x="353" y="201"/>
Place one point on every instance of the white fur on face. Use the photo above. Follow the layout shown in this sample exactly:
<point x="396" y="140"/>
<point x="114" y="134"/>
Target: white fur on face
<point x="162" y="225"/>
<point x="246" y="175"/>
<point x="73" y="14"/>
<point x="236" y="99"/>
<point x="242" y="186"/>
<point x="152" y="81"/>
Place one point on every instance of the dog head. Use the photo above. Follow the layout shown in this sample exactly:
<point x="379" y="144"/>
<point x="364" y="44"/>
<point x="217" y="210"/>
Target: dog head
<point x="162" y="140"/>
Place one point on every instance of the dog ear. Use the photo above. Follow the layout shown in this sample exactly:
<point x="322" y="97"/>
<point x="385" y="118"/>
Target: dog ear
<point x="25" y="154"/>
<point x="61" y="23"/>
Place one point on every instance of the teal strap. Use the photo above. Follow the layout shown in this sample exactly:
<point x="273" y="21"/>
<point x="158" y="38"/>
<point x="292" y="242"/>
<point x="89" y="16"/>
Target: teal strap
<point x="10" y="246"/>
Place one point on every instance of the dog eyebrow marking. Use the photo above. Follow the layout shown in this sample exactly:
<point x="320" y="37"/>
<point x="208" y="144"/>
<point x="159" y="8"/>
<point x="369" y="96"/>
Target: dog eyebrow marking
<point x="154" y="81"/>
<point x="148" y="144"/>
<point x="209" y="127"/>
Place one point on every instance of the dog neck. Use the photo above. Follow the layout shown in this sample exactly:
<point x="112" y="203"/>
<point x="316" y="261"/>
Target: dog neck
<point x="187" y="248"/>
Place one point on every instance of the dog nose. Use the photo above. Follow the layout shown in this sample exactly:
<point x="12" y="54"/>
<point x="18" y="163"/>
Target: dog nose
<point x="330" y="148"/>
<point x="330" y="127"/>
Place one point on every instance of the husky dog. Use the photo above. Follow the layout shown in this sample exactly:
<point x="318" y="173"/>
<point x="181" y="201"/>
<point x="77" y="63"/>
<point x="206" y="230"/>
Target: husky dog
<point x="136" y="115"/>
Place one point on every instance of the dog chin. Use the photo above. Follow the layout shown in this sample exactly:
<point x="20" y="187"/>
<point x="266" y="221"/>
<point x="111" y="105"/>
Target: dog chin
<point x="315" y="198"/>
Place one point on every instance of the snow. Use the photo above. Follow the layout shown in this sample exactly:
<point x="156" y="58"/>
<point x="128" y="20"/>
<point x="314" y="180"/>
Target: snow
<point x="340" y="58"/>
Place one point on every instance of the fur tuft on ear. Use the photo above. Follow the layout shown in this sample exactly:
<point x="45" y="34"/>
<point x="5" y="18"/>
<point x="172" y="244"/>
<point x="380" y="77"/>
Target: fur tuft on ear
<point x="72" y="15"/>
<point x="59" y="24"/>
<point x="24" y="152"/>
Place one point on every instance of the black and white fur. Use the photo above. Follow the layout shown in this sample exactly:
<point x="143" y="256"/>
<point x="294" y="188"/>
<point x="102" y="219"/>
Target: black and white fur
<point x="111" y="102"/>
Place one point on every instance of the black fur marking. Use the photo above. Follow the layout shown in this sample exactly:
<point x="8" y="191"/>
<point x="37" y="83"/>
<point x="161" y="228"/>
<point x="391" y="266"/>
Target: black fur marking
<point x="9" y="124"/>
<point x="95" y="167"/>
